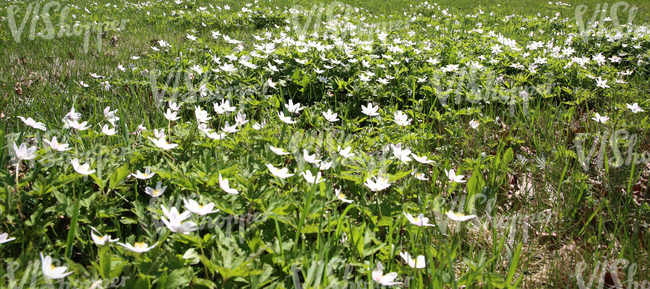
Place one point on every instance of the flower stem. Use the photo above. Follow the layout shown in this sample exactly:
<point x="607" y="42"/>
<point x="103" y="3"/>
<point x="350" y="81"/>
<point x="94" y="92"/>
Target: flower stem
<point x="19" y="198"/>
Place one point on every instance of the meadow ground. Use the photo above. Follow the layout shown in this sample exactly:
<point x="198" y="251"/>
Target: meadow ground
<point x="349" y="144"/>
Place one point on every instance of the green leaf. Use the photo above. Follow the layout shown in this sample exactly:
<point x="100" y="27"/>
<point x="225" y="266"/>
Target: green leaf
<point x="175" y="280"/>
<point x="507" y="158"/>
<point x="204" y="282"/>
<point x="144" y="282"/>
<point x="99" y="182"/>
<point x="162" y="281"/>
<point x="399" y="175"/>
<point x="105" y="262"/>
<point x="73" y="230"/>
<point x="211" y="266"/>
<point x="513" y="267"/>
<point x="117" y="176"/>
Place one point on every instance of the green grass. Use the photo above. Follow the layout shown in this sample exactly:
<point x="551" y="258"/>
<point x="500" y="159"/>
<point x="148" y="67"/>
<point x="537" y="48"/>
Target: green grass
<point x="540" y="214"/>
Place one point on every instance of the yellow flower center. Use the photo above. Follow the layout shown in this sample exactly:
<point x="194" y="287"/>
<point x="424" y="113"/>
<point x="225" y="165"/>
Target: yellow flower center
<point x="155" y="192"/>
<point x="459" y="214"/>
<point x="52" y="267"/>
<point x="416" y="219"/>
<point x="139" y="245"/>
<point x="145" y="175"/>
<point x="342" y="196"/>
<point x="200" y="207"/>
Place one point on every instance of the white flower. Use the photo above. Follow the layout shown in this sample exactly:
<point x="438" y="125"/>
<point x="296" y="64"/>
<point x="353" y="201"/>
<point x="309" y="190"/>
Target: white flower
<point x="201" y="115"/>
<point x="138" y="247"/>
<point x="110" y="115"/>
<point x="459" y="217"/>
<point x="285" y="119"/>
<point x="280" y="173"/>
<point x="223" y="183"/>
<point x="602" y="83"/>
<point x="175" y="222"/>
<point x="159" y="133"/>
<point x="224" y="107"/>
<point x="71" y="116"/>
<point x="599" y="58"/>
<point x="144" y="176"/>
<point x="402" y="119"/>
<point x="171" y="115"/>
<point x="310" y="158"/>
<point x="195" y="208"/>
<point x="30" y="122"/>
<point x="474" y="124"/>
<point x="79" y="126"/>
<point x="52" y="272"/>
<point x="451" y="174"/>
<point x="106" y="85"/>
<point x="240" y="119"/>
<point x="602" y="119"/>
<point x="107" y="131"/>
<point x="635" y="107"/>
<point x="157" y="192"/>
<point x="162" y="143"/>
<point x="259" y="126"/>
<point x="401" y="154"/>
<point x="271" y="83"/>
<point x="346" y="153"/>
<point x="278" y="151"/>
<point x="379" y="184"/>
<point x="325" y="166"/>
<point x="173" y="214"/>
<point x="370" y="110"/>
<point x="81" y="169"/>
<point x="341" y="196"/>
<point x="230" y="129"/>
<point x="23" y="153"/>
<point x="101" y="240"/>
<point x="422" y="160"/>
<point x="3" y="238"/>
<point x="419" y="263"/>
<point x="215" y="135"/>
<point x="227" y="67"/>
<point x="173" y="106"/>
<point x="332" y="117"/>
<point x="295" y="108"/>
<point x="177" y="226"/>
<point x="386" y="280"/>
<point x="419" y="220"/>
<point x="311" y="178"/>
<point x="419" y="176"/>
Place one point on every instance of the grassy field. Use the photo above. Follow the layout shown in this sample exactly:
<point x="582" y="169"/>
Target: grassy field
<point x="509" y="147"/>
